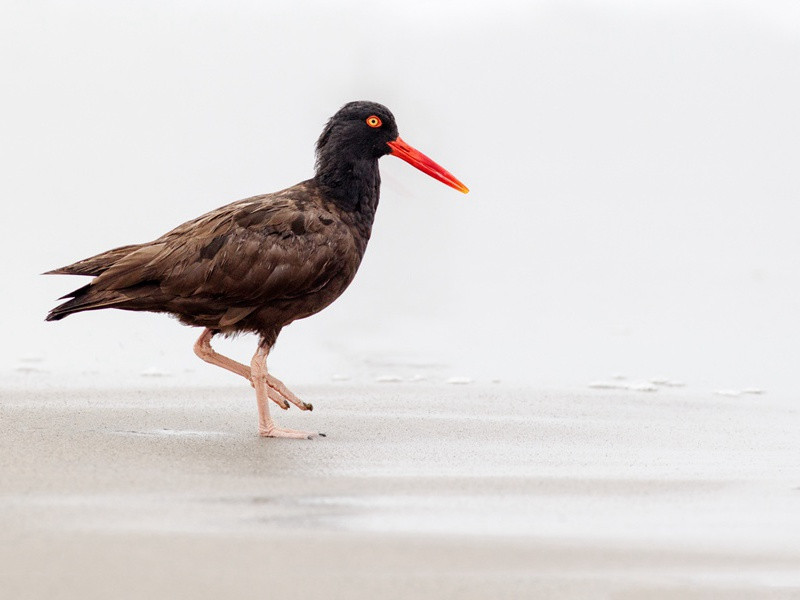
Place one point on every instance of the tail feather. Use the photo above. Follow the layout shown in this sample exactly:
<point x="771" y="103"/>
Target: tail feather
<point x="75" y="293"/>
<point x="96" y="265"/>
<point x="86" y="301"/>
<point x="92" y="296"/>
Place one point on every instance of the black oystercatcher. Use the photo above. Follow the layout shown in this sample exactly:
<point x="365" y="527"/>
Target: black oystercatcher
<point x="258" y="264"/>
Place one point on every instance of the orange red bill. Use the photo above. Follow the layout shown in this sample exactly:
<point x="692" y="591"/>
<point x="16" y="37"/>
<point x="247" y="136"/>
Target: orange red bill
<point x="414" y="157"/>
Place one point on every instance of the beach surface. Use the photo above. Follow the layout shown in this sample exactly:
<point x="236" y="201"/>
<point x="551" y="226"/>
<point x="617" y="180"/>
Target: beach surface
<point x="418" y="490"/>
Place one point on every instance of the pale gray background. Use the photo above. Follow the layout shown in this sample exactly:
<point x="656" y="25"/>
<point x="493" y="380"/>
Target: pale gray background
<point x="633" y="166"/>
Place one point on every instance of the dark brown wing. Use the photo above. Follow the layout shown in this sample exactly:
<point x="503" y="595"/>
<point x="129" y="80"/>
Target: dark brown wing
<point x="228" y="262"/>
<point x="256" y="253"/>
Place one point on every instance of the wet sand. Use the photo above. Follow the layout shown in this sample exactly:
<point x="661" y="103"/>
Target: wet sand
<point x="418" y="490"/>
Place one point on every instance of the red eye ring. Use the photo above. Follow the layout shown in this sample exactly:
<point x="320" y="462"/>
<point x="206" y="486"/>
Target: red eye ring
<point x="374" y="121"/>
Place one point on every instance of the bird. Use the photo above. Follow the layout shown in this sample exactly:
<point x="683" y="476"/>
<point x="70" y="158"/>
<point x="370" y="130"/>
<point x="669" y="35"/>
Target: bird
<point x="258" y="264"/>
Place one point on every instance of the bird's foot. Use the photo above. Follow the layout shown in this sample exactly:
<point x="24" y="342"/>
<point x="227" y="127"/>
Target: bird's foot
<point x="278" y="388"/>
<point x="279" y="432"/>
<point x="281" y="395"/>
<point x="277" y="398"/>
<point x="273" y="394"/>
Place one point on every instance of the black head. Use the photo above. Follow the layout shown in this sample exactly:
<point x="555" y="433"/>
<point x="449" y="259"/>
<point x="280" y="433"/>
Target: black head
<point x="358" y="131"/>
<point x="349" y="148"/>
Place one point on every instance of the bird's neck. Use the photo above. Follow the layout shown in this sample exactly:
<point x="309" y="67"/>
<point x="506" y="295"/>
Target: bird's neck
<point x="354" y="186"/>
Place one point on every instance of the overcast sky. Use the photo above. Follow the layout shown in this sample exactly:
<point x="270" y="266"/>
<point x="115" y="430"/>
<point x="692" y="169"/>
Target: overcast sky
<point x="633" y="167"/>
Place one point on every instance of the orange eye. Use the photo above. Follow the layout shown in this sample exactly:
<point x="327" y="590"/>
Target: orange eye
<point x="374" y="121"/>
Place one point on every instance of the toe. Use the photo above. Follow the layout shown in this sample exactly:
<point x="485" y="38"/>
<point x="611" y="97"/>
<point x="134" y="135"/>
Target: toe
<point x="289" y="433"/>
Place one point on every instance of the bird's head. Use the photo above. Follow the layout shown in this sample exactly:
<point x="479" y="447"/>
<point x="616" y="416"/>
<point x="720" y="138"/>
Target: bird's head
<point x="366" y="131"/>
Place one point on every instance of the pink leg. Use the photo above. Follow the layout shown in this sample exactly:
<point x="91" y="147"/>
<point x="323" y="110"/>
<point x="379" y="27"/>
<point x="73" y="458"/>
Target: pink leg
<point x="278" y="392"/>
<point x="266" y="426"/>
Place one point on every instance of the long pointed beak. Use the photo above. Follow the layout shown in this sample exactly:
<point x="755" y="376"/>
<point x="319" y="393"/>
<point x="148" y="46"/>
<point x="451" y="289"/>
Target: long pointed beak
<point x="416" y="158"/>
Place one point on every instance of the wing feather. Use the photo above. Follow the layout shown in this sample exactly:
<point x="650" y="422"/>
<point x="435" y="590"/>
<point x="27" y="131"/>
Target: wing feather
<point x="231" y="260"/>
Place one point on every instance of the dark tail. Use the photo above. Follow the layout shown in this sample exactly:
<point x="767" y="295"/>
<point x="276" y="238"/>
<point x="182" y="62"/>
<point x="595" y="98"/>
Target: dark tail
<point x="88" y="297"/>
<point x="61" y="311"/>
<point x="85" y="299"/>
<point x="95" y="265"/>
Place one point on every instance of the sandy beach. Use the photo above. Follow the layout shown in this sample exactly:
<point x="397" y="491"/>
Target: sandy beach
<point x="418" y="490"/>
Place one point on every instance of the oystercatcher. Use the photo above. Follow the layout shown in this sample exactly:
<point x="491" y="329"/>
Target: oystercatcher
<point x="258" y="264"/>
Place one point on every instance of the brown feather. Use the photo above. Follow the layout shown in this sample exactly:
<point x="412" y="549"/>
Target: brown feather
<point x="96" y="264"/>
<point x="253" y="265"/>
